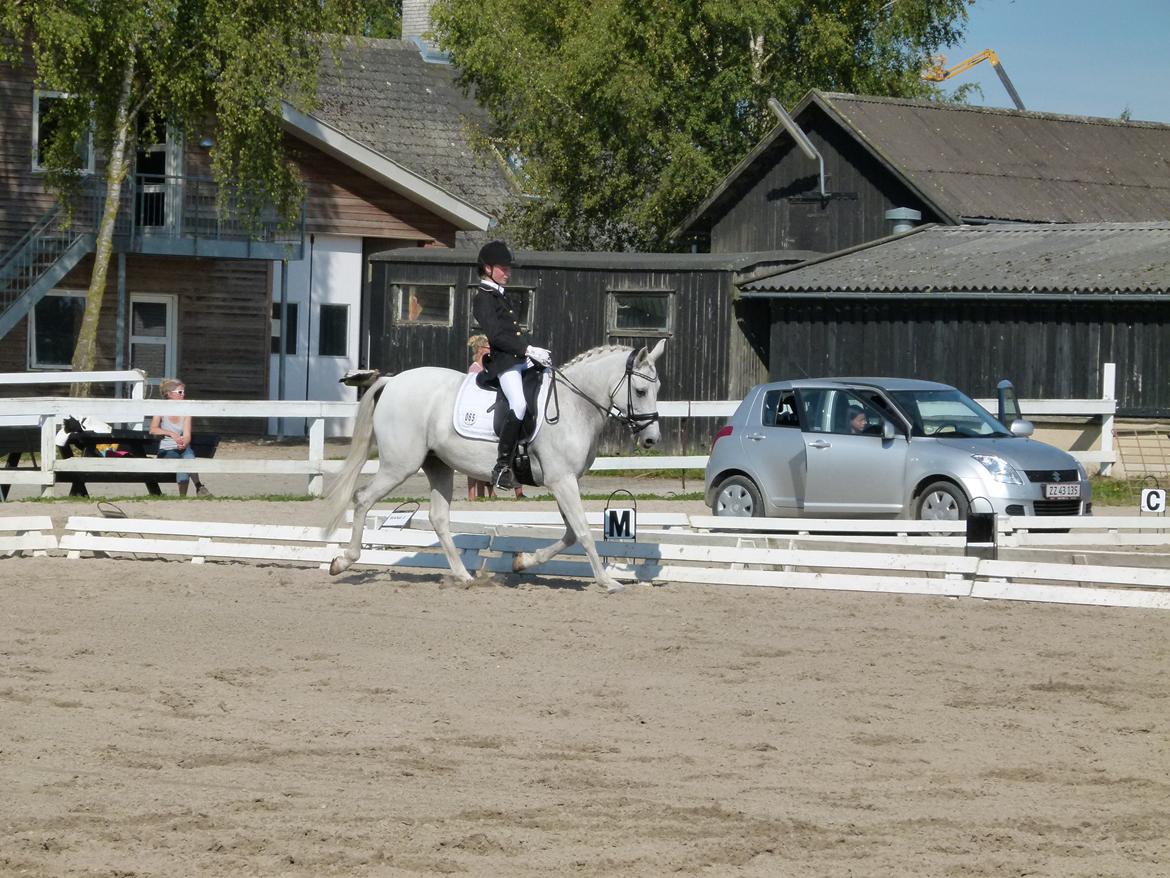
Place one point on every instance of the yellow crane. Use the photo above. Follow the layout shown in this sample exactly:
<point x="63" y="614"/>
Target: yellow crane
<point x="936" y="73"/>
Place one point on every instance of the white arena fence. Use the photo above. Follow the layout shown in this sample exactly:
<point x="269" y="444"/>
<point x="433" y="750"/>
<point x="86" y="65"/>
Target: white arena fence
<point x="48" y="413"/>
<point x="672" y="555"/>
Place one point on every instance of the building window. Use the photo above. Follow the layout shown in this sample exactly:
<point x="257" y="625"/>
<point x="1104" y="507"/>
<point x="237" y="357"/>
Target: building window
<point x="48" y="107"/>
<point x="649" y="312"/>
<point x="521" y="299"/>
<point x="290" y="335"/>
<point x="54" y="325"/>
<point x="422" y="304"/>
<point x="331" y="340"/>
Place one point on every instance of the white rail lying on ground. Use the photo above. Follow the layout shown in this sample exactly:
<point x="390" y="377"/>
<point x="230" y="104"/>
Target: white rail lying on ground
<point x="673" y="559"/>
<point x="49" y="413"/>
<point x="33" y="533"/>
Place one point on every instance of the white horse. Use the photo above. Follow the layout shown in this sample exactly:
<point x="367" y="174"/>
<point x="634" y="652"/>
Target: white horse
<point x="409" y="415"/>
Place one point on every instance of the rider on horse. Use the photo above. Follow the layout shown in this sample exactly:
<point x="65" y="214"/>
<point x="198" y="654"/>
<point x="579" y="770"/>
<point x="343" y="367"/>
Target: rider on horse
<point x="511" y="350"/>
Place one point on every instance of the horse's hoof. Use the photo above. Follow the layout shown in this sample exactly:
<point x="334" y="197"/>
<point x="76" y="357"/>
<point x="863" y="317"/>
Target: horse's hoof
<point x="519" y="562"/>
<point x="614" y="587"/>
<point x="338" y="565"/>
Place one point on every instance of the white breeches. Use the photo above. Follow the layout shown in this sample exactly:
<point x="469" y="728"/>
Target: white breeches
<point x="512" y="383"/>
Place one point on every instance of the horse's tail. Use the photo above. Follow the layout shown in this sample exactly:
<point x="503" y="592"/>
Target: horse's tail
<point x="340" y="496"/>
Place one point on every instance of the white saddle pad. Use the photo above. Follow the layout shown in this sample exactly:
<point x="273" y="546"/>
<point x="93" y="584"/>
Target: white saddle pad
<point x="471" y="417"/>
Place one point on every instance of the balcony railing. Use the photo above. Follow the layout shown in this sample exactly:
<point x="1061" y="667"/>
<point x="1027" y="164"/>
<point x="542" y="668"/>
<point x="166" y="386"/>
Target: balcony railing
<point x="186" y="216"/>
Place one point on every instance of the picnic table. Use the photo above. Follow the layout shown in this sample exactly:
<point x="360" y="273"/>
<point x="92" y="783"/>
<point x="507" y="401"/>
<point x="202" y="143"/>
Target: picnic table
<point x="130" y="443"/>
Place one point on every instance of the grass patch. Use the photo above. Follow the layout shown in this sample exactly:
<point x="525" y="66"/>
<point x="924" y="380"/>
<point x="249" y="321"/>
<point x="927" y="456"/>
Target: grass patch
<point x="1121" y="492"/>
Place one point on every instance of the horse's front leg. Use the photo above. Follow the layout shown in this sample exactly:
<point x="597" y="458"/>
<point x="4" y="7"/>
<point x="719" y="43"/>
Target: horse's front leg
<point x="568" y="494"/>
<point x="442" y="479"/>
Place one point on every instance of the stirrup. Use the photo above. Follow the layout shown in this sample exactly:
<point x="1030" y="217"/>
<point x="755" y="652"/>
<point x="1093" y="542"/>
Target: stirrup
<point x="502" y="477"/>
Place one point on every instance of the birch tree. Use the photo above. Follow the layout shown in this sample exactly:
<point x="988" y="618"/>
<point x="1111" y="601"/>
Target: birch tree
<point x="186" y="63"/>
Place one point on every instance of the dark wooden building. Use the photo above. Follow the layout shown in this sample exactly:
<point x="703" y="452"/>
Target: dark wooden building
<point x="1043" y="305"/>
<point x="950" y="163"/>
<point x="418" y="312"/>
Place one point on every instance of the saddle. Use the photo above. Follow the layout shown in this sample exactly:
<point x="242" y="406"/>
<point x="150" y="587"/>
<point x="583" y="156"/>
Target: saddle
<point x="480" y="406"/>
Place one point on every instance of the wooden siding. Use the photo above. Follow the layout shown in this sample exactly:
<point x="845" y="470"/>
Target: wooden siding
<point x="783" y="210"/>
<point x="1048" y="351"/>
<point x="568" y="317"/>
<point x="342" y="201"/>
<point x="222" y="322"/>
<point x="23" y="197"/>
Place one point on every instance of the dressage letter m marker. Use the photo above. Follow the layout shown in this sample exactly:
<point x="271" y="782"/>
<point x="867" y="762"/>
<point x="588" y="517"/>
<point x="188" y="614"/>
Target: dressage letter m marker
<point x="620" y="525"/>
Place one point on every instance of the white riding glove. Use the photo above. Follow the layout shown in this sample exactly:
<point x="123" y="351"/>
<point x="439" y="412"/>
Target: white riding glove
<point x="540" y="356"/>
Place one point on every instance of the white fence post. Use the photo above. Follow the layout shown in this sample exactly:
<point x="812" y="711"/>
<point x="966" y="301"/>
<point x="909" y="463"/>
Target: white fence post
<point x="317" y="456"/>
<point x="48" y="425"/>
<point x="1108" y="392"/>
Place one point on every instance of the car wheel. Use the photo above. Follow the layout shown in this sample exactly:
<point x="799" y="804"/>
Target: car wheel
<point x="942" y="501"/>
<point x="738" y="497"/>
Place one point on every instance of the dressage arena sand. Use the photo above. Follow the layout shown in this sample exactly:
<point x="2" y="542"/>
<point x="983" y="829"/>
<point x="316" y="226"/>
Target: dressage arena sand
<point x="168" y="719"/>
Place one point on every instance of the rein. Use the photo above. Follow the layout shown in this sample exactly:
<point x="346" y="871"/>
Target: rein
<point x="635" y="421"/>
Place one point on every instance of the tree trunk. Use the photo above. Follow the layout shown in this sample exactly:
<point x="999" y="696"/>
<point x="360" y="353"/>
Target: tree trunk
<point x="85" y="354"/>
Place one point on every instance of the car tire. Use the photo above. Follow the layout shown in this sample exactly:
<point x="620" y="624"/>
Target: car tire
<point x="738" y="497"/>
<point x="942" y="501"/>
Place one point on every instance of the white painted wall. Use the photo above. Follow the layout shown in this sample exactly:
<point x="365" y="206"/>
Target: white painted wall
<point x="329" y="274"/>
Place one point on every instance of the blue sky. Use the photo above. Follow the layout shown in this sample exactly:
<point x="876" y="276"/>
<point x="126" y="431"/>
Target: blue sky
<point x="1081" y="57"/>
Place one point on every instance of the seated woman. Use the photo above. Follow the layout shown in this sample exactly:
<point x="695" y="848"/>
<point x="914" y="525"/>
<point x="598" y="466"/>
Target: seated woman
<point x="176" y="436"/>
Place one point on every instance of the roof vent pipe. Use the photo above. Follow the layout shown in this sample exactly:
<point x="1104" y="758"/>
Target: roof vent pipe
<point x="801" y="139"/>
<point x="903" y="218"/>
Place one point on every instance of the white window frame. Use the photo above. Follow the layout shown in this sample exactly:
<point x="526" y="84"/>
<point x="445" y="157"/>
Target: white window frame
<point x="611" y="314"/>
<point x="33" y="363"/>
<point x="399" y="289"/>
<point x="36" y="133"/>
<point x="170" y="340"/>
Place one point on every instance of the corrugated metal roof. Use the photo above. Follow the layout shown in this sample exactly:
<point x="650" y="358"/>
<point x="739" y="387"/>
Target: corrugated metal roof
<point x="1071" y="258"/>
<point x="983" y="163"/>
<point x="978" y="162"/>
<point x="604" y="260"/>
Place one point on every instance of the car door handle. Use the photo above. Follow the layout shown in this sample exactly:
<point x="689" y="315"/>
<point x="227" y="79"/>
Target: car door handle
<point x="820" y="443"/>
<point x="755" y="437"/>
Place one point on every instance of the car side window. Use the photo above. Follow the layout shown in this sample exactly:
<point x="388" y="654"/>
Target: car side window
<point x="816" y="408"/>
<point x="780" y="409"/>
<point x="854" y="416"/>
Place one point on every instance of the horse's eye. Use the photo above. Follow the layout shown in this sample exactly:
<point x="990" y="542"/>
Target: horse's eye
<point x="640" y="391"/>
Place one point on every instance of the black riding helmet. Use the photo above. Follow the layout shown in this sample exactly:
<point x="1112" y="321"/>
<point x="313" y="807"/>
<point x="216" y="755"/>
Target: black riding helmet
<point x="494" y="253"/>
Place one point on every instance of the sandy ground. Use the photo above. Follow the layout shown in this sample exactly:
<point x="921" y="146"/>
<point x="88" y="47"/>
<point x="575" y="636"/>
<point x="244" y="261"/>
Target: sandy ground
<point x="159" y="718"/>
<point x="166" y="719"/>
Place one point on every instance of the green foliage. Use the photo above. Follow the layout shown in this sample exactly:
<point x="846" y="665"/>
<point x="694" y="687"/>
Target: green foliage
<point x="190" y="62"/>
<point x="627" y="112"/>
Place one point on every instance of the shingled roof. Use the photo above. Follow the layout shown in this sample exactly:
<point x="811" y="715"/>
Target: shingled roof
<point x="385" y="96"/>
<point x="984" y="260"/>
<point x="978" y="163"/>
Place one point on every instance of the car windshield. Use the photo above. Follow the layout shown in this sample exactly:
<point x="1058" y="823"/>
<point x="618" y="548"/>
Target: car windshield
<point x="946" y="414"/>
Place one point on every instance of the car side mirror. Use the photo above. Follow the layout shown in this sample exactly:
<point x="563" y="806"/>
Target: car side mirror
<point x="888" y="430"/>
<point x="1021" y="427"/>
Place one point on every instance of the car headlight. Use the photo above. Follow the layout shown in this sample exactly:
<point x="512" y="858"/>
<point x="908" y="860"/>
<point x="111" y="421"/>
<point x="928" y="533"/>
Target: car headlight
<point x="1082" y="473"/>
<point x="1000" y="469"/>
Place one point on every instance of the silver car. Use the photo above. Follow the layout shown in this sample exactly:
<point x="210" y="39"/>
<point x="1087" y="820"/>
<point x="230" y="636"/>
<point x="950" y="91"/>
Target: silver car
<point x="885" y="447"/>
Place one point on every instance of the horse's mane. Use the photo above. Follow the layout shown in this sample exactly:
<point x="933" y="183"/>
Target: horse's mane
<point x="597" y="352"/>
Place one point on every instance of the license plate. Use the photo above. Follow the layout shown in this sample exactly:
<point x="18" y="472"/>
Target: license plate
<point x="1070" y="491"/>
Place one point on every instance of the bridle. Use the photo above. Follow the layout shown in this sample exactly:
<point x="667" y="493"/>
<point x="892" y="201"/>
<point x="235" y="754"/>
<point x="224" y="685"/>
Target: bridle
<point x="636" y="421"/>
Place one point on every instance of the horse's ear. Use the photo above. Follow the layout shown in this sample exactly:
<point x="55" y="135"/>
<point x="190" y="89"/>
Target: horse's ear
<point x="658" y="349"/>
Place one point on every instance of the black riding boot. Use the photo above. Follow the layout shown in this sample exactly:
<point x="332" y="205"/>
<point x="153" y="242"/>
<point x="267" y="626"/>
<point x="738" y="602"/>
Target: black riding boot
<point x="502" y="476"/>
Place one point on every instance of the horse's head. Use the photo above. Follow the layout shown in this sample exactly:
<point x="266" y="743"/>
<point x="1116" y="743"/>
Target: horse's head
<point x="641" y="402"/>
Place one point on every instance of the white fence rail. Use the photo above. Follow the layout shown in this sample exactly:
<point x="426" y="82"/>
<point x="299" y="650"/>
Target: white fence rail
<point x="49" y="412"/>
<point x="674" y="558"/>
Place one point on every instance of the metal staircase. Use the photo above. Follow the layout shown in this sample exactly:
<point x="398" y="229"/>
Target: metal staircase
<point x="37" y="263"/>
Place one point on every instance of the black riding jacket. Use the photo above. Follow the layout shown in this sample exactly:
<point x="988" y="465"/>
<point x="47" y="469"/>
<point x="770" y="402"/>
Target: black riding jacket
<point x="497" y="317"/>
